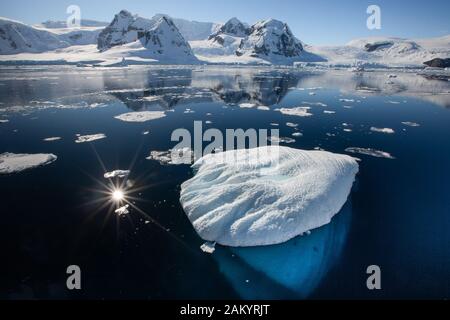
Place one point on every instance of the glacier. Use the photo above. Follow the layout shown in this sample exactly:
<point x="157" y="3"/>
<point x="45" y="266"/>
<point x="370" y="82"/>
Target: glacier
<point x="267" y="195"/>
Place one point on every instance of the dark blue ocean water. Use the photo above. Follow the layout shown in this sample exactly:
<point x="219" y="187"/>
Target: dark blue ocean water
<point x="397" y="216"/>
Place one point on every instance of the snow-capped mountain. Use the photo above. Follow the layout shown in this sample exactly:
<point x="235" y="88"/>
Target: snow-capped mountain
<point x="192" y="30"/>
<point x="266" y="42"/>
<point x="224" y="42"/>
<point x="16" y="37"/>
<point x="270" y="38"/>
<point x="385" y="51"/>
<point x="233" y="27"/>
<point x="164" y="41"/>
<point x="122" y="30"/>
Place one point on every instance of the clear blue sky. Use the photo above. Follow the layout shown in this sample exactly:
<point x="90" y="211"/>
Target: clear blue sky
<point x="313" y="21"/>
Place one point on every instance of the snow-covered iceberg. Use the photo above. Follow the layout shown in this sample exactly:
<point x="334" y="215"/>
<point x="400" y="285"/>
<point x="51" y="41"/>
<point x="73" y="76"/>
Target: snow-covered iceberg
<point x="12" y="163"/>
<point x="266" y="195"/>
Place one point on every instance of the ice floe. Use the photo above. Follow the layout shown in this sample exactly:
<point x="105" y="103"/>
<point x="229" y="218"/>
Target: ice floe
<point x="13" y="163"/>
<point x="263" y="108"/>
<point x="142" y="116"/>
<point x="297" y="134"/>
<point x="329" y="112"/>
<point x="278" y="140"/>
<point x="117" y="174"/>
<point x="370" y="152"/>
<point x="292" y="125"/>
<point x="383" y="130"/>
<point x="89" y="137"/>
<point x="298" y="111"/>
<point x="266" y="195"/>
<point x="247" y="105"/>
<point x="208" y="247"/>
<point x="123" y="211"/>
<point x="172" y="157"/>
<point x="4" y="120"/>
<point x="51" y="139"/>
<point x="411" y="124"/>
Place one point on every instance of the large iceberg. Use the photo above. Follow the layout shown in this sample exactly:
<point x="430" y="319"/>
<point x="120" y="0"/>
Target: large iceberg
<point x="266" y="195"/>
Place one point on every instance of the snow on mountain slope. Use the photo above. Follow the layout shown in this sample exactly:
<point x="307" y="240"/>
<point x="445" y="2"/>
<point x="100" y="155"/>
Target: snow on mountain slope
<point x="385" y="51"/>
<point x="165" y="43"/>
<point x="270" y="38"/>
<point x="224" y="42"/>
<point x="16" y="37"/>
<point x="122" y="30"/>
<point x="192" y="30"/>
<point x="266" y="42"/>
<point x="83" y="36"/>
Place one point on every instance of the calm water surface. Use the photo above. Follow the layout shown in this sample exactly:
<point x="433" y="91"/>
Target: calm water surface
<point x="397" y="216"/>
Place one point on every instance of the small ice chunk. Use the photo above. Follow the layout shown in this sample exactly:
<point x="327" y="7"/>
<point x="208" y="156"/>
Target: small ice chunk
<point x="122" y="211"/>
<point x="172" y="157"/>
<point x="263" y="108"/>
<point x="346" y="100"/>
<point x="208" y="247"/>
<point x="142" y="116"/>
<point x="12" y="163"/>
<point x="382" y="130"/>
<point x="392" y="102"/>
<point x="370" y="152"/>
<point x="117" y="174"/>
<point x="297" y="134"/>
<point x="411" y="124"/>
<point x="4" y="120"/>
<point x="298" y="111"/>
<point x="278" y="140"/>
<point x="292" y="125"/>
<point x="247" y="105"/>
<point x="51" y="139"/>
<point x="145" y="133"/>
<point x="267" y="195"/>
<point x="89" y="137"/>
<point x="329" y="112"/>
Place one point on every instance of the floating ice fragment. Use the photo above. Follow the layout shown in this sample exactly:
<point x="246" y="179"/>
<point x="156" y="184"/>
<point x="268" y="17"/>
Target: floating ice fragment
<point x="263" y="108"/>
<point x="292" y="125"/>
<point x="382" y="130"/>
<point x="12" y="163"/>
<point x="117" y="174"/>
<point x="208" y="247"/>
<point x="51" y="139"/>
<point x="297" y="134"/>
<point x="370" y="152"/>
<point x="411" y="124"/>
<point x="89" y="137"/>
<point x="267" y="195"/>
<point x="122" y="211"/>
<point x="346" y="100"/>
<point x="4" y="120"/>
<point x="172" y="157"/>
<point x="329" y="112"/>
<point x="298" y="111"/>
<point x="393" y="102"/>
<point x="247" y="105"/>
<point x="143" y="116"/>
<point x="278" y="140"/>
